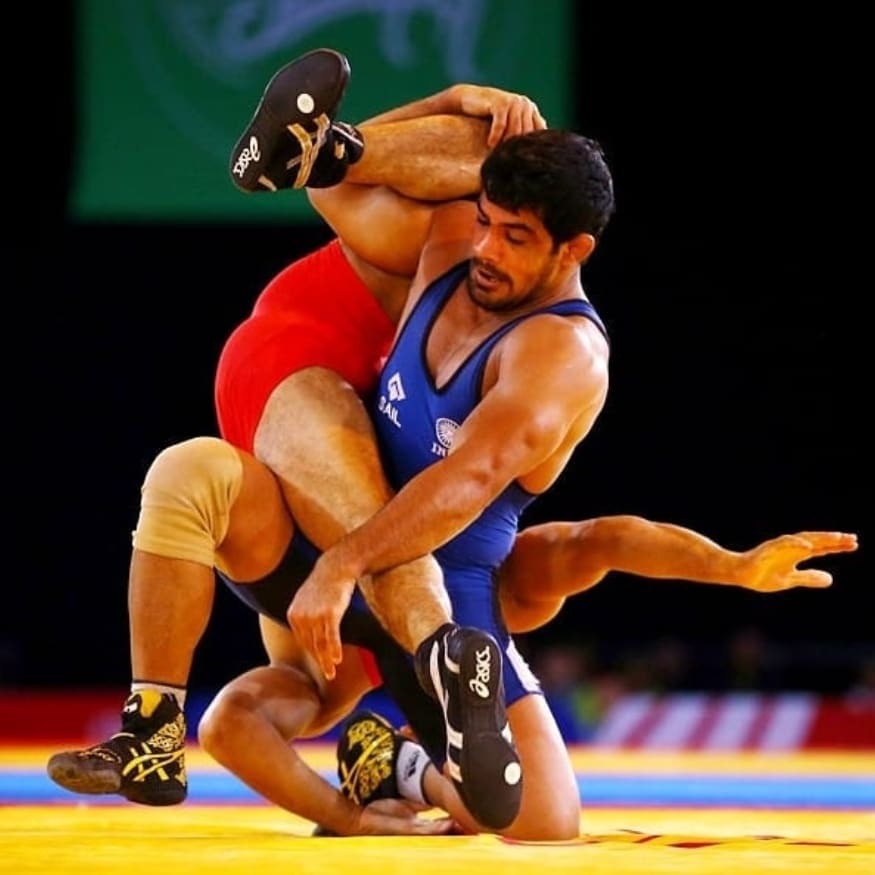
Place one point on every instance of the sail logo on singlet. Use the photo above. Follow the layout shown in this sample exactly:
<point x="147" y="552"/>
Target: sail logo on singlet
<point x="388" y="406"/>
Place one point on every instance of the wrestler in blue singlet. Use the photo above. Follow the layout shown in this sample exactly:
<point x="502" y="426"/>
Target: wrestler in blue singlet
<point x="415" y="423"/>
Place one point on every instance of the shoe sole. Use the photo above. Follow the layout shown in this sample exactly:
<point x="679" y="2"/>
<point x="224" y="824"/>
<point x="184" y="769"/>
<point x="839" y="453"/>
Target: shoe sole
<point x="491" y="778"/>
<point x="66" y="771"/>
<point x="298" y="93"/>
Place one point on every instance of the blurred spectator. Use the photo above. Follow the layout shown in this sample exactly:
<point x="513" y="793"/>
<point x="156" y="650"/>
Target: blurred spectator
<point x="862" y="692"/>
<point x="577" y="694"/>
<point x="750" y="664"/>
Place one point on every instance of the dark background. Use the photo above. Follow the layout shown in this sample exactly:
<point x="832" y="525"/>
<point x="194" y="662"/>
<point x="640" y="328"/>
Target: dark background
<point x="739" y="402"/>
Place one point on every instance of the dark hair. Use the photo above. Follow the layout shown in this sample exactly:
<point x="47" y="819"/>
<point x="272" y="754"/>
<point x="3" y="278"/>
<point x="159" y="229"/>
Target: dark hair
<point x="560" y="176"/>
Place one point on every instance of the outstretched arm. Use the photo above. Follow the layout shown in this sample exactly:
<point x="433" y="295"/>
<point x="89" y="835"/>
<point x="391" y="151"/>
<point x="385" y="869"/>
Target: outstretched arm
<point x="553" y="561"/>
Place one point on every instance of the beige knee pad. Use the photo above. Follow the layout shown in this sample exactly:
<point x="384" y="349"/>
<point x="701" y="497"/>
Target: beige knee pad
<point x="186" y="498"/>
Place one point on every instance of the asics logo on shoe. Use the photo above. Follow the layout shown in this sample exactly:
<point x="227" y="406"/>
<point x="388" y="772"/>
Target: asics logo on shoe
<point x="146" y="762"/>
<point x="246" y="157"/>
<point x="483" y="668"/>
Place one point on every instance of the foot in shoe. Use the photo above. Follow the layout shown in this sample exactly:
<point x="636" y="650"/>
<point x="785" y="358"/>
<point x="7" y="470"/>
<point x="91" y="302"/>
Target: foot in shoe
<point x="292" y="124"/>
<point x="145" y="762"/>
<point x="462" y="668"/>
<point x="366" y="754"/>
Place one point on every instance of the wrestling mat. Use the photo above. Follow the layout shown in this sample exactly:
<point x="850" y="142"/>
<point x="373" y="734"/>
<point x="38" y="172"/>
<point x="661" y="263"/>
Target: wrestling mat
<point x="643" y="813"/>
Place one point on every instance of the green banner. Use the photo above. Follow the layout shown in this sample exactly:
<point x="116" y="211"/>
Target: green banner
<point x="165" y="87"/>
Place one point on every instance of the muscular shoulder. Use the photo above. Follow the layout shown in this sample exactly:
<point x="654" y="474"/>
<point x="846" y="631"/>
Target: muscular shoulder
<point x="557" y="343"/>
<point x="561" y="360"/>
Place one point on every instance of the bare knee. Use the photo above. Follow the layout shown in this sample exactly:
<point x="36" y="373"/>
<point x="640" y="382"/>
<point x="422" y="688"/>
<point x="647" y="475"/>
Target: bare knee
<point x="560" y="821"/>
<point x="555" y="820"/>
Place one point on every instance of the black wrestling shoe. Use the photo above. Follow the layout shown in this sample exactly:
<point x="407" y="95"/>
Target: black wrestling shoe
<point x="461" y="668"/>
<point x="343" y="146"/>
<point x="367" y="752"/>
<point x="145" y="762"/>
<point x="292" y="128"/>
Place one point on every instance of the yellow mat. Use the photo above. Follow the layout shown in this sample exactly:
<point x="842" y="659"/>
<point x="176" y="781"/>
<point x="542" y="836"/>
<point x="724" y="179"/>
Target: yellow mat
<point x="98" y="839"/>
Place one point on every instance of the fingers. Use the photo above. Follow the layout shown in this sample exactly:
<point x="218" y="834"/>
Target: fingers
<point x="436" y="827"/>
<point x="398" y="817"/>
<point x="320" y="636"/>
<point x="499" y="126"/>
<point x="326" y="646"/>
<point x="810" y="577"/>
<point x="414" y="826"/>
<point x="823" y="543"/>
<point x="516" y="115"/>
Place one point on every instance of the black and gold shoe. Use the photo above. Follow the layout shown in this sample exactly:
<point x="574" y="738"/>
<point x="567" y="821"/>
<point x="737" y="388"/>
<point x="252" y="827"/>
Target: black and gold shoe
<point x="144" y="762"/>
<point x="292" y="140"/>
<point x="367" y="751"/>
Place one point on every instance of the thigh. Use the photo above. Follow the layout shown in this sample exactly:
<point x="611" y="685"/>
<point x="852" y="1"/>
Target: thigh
<point x="316" y="434"/>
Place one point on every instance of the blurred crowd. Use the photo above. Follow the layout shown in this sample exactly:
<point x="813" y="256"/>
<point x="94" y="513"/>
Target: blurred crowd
<point x="582" y="680"/>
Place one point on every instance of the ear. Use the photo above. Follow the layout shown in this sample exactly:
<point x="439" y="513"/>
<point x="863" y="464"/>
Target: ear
<point x="580" y="247"/>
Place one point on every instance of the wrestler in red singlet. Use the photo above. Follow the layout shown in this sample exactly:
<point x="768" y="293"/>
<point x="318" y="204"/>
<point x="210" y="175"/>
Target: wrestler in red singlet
<point x="315" y="312"/>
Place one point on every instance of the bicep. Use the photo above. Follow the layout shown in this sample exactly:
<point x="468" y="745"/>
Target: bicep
<point x="525" y="415"/>
<point x="380" y="226"/>
<point x="506" y="436"/>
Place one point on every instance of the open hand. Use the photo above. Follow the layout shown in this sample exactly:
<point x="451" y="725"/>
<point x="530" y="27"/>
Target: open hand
<point x="771" y="566"/>
<point x="399" y="817"/>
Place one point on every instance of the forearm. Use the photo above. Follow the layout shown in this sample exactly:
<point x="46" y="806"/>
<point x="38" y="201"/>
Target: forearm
<point x="446" y="102"/>
<point x="254" y="751"/>
<point x="661" y="550"/>
<point x="430" y="510"/>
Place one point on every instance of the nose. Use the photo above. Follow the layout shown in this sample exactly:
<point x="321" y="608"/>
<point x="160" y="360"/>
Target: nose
<point x="487" y="245"/>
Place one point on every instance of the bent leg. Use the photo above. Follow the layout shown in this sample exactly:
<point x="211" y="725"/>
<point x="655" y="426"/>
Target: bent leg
<point x="550" y="808"/>
<point x="204" y="504"/>
<point x="430" y="158"/>
<point x="315" y="434"/>
<point x="201" y="500"/>
<point x="407" y="168"/>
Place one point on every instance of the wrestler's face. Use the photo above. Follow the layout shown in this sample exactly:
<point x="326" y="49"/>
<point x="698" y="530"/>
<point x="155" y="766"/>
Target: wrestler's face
<point x="513" y="259"/>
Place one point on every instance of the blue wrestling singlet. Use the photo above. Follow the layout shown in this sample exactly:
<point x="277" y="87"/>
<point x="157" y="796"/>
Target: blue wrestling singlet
<point x="415" y="423"/>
